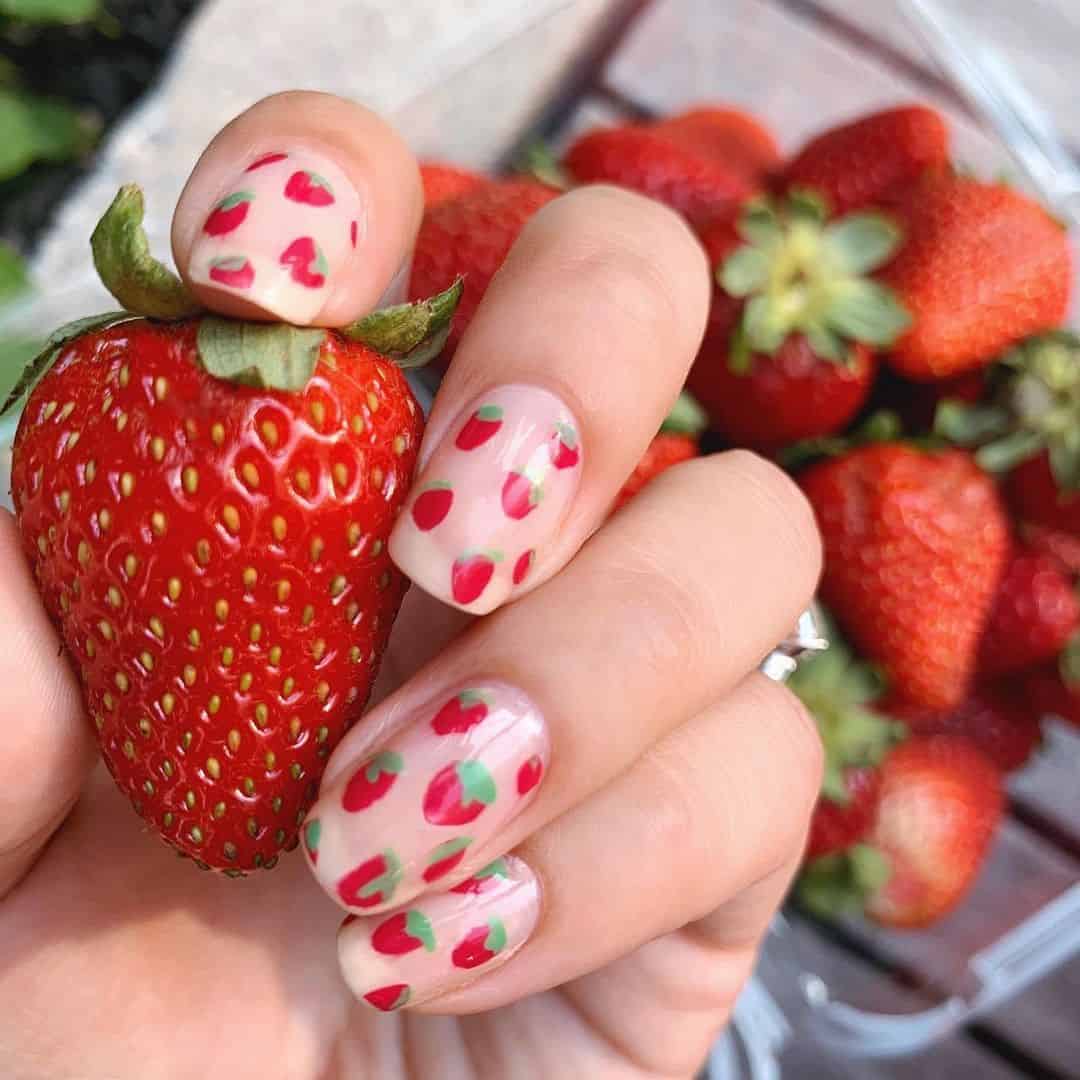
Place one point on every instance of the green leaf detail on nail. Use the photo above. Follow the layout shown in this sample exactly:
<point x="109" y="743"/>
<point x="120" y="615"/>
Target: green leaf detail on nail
<point x="312" y="835"/>
<point x="448" y="848"/>
<point x="489" y="412"/>
<point x="496" y="939"/>
<point x="387" y="881"/>
<point x="498" y="868"/>
<point x="475" y="697"/>
<point x="418" y="926"/>
<point x="389" y="761"/>
<point x="477" y="784"/>
<point x="235" y="199"/>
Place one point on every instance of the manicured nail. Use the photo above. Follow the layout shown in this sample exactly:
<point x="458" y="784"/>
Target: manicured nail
<point x="442" y="942"/>
<point x="491" y="497"/>
<point x="409" y="815"/>
<point x="278" y="233"/>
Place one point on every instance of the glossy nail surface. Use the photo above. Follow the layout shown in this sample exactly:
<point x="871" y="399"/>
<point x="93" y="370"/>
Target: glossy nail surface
<point x="410" y="814"/>
<point x="279" y="232"/>
<point x="491" y="498"/>
<point x="442" y="942"/>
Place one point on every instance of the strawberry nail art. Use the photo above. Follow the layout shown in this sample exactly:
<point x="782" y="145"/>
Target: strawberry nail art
<point x="279" y="233"/>
<point x="494" y="491"/>
<point x="428" y="806"/>
<point x="443" y="941"/>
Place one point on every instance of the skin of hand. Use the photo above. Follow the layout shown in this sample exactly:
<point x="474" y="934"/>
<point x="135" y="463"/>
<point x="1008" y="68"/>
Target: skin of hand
<point x="640" y="790"/>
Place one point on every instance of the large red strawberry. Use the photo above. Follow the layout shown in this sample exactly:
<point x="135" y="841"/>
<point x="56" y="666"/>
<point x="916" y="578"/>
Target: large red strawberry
<point x="855" y="164"/>
<point x="982" y="267"/>
<point x="481" y="944"/>
<point x="728" y="135"/>
<point x="915" y="544"/>
<point x="644" y="160"/>
<point x="997" y="716"/>
<point x="940" y="802"/>
<point x="443" y="182"/>
<point x="459" y="793"/>
<point x="789" y="349"/>
<point x="225" y="608"/>
<point x="1035" y="612"/>
<point x="403" y="933"/>
<point x="373" y="882"/>
<point x="372" y="781"/>
<point x="469" y="237"/>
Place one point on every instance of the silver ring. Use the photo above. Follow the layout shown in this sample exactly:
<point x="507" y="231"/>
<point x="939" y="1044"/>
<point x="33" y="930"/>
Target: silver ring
<point x="781" y="663"/>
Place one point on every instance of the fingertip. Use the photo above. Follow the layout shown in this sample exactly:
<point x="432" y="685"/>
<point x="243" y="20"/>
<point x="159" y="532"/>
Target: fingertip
<point x="302" y="209"/>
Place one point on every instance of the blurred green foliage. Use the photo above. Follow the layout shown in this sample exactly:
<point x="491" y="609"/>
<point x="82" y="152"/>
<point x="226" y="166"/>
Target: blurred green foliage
<point x="51" y="11"/>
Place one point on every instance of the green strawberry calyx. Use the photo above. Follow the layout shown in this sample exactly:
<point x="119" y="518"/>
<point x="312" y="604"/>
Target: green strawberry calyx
<point x="389" y="761"/>
<point x="266" y="355"/>
<point x="800" y="273"/>
<point x="841" y="884"/>
<point x="477" y="784"/>
<point x="447" y="849"/>
<point x="1035" y="407"/>
<point x="838" y="691"/>
<point x="418" y="925"/>
<point x="686" y="417"/>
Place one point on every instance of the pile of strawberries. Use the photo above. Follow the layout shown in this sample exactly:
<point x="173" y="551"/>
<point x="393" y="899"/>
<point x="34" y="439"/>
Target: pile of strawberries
<point x="890" y="329"/>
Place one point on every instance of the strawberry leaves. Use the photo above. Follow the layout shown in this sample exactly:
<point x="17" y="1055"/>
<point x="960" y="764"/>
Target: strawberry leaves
<point x="802" y="274"/>
<point x="268" y="355"/>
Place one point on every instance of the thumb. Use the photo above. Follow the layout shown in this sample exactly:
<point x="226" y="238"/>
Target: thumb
<point x="47" y="748"/>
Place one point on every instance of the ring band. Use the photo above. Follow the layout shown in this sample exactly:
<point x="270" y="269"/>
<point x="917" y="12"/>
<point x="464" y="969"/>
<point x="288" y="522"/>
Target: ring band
<point x="805" y="638"/>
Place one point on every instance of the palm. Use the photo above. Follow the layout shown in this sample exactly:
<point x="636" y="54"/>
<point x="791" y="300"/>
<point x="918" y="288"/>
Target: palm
<point x="118" y="959"/>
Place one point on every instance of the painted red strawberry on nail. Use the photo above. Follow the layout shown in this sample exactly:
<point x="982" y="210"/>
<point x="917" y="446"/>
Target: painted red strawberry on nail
<point x="389" y="998"/>
<point x="481" y="944"/>
<point x="403" y="933"/>
<point x="229" y="214"/>
<point x="529" y="775"/>
<point x="432" y="505"/>
<point x="266" y="159"/>
<point x="445" y="857"/>
<point x="309" y="188"/>
<point x="480" y="427"/>
<point x="372" y="882"/>
<point x="471" y="573"/>
<point x="483" y="880"/>
<point x="372" y="781"/>
<point x="459" y="793"/>
<point x="523" y="566"/>
<point x="312" y="835"/>
<point x="232" y="270"/>
<point x="307" y="263"/>
<point x="520" y="496"/>
<point x="354" y="232"/>
<point x="461" y="712"/>
<point x="563" y="445"/>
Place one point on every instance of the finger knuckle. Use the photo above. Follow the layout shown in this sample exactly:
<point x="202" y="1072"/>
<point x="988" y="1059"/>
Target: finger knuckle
<point x="788" y="516"/>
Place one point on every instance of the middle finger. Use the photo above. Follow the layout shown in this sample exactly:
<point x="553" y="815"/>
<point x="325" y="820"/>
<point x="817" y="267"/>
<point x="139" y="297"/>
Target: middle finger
<point x="661" y="613"/>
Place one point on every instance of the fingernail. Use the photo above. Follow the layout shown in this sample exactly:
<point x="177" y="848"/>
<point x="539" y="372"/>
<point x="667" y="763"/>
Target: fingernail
<point x="414" y="812"/>
<point x="442" y="942"/>
<point x="279" y="232"/>
<point x="491" y="497"/>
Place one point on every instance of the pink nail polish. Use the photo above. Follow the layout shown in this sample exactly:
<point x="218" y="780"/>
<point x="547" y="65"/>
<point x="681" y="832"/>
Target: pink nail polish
<point x="490" y="499"/>
<point x="442" y="942"/>
<point x="279" y="232"/>
<point x="416" y="811"/>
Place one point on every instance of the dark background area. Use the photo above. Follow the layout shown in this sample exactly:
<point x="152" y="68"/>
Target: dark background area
<point x="101" y="67"/>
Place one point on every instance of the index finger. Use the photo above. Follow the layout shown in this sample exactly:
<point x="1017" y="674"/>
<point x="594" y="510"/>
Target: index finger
<point x="303" y="209"/>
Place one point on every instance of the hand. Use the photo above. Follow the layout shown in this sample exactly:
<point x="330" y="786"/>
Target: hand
<point x="651" y="788"/>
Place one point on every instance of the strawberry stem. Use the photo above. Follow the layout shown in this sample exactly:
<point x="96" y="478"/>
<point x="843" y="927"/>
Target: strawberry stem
<point x="128" y="270"/>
